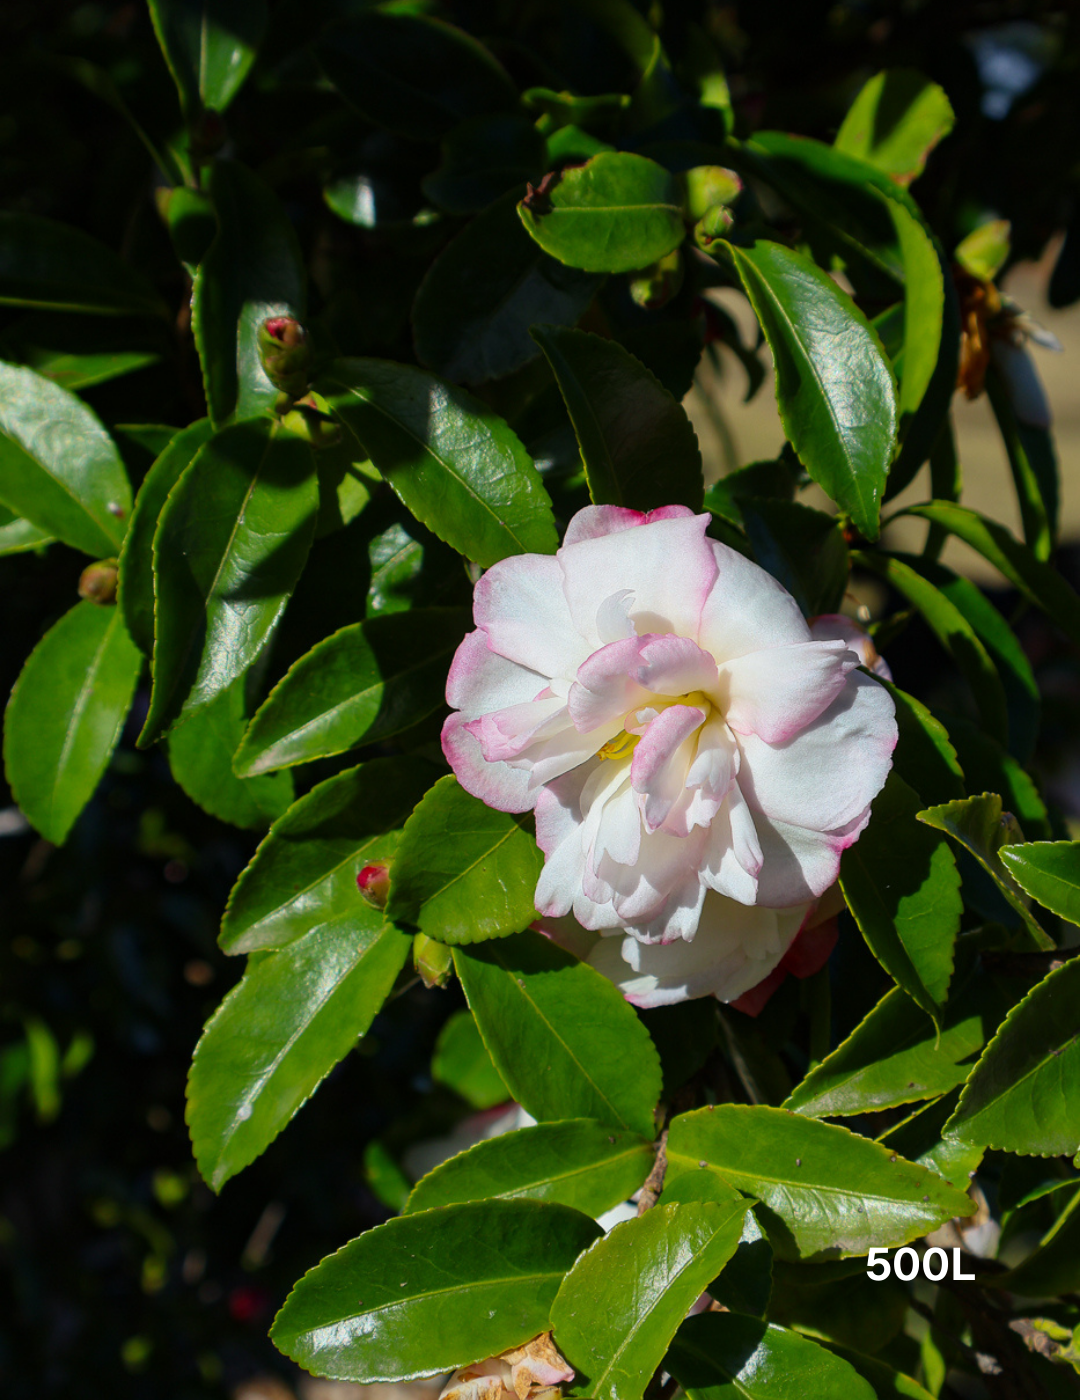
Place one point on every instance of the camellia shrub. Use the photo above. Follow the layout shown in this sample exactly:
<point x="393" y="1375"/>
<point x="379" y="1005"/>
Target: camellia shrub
<point x="767" y="959"/>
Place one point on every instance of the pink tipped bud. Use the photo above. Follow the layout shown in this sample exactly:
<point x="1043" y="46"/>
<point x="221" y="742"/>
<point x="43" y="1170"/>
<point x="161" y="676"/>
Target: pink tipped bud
<point x="373" y="882"/>
<point x="285" y="354"/>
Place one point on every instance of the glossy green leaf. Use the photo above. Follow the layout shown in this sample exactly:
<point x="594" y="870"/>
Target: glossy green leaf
<point x="620" y="1305"/>
<point x="209" y="46"/>
<point x="358" y="685"/>
<point x="1029" y="447"/>
<point x="988" y="768"/>
<point x="903" y="888"/>
<point x="561" y="1036"/>
<point x="416" y="76"/>
<point x="454" y="463"/>
<point x="137" y="555"/>
<point x="886" y="1383"/>
<point x="432" y="1291"/>
<point x="464" y="871"/>
<point x="984" y="251"/>
<point x="953" y="631"/>
<point x="200" y="759"/>
<point x="1024" y="1094"/>
<point x="834" y="387"/>
<point x="771" y="481"/>
<point x="56" y="267"/>
<point x="978" y="824"/>
<point x="896" y="1055"/>
<point x="824" y="1192"/>
<point x="1048" y="871"/>
<point x="1038" y="582"/>
<point x="483" y="158"/>
<point x="59" y="469"/>
<point x="304" y="873"/>
<point x="720" y="1356"/>
<point x="65" y="715"/>
<point x="803" y="548"/>
<point x="615" y="213"/>
<point x="230" y="545"/>
<point x="895" y="122"/>
<point x="577" y="1163"/>
<point x="462" y="1063"/>
<point x="1054" y="1267"/>
<point x="473" y="310"/>
<point x="252" y="270"/>
<point x="294" y="1014"/>
<point x="636" y="442"/>
<point x="924" y="756"/>
<point x="921" y="1138"/>
<point x="77" y="372"/>
<point x="924" y="305"/>
<point x="17" y="535"/>
<point x="745" y="1283"/>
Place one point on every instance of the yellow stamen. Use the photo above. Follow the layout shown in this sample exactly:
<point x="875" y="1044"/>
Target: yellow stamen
<point x="619" y="747"/>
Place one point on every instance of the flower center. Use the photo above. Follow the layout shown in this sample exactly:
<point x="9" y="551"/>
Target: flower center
<point x="637" y="721"/>
<point x="619" y="747"/>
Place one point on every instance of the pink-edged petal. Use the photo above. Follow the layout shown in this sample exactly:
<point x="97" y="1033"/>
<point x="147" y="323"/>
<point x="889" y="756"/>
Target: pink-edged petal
<point x="497" y="784"/>
<point x="520" y="605"/>
<point x="624" y="675"/>
<point x="662" y="881"/>
<point x="798" y="864"/>
<point x="480" y="681"/>
<point x="776" y="693"/>
<point x="733" y="857"/>
<point x="827" y="774"/>
<point x="568" y="934"/>
<point x="503" y="734"/>
<point x="593" y="522"/>
<point x="658" y="769"/>
<point x="746" y="609"/>
<point x="666" y="563"/>
<point x="835" y="627"/>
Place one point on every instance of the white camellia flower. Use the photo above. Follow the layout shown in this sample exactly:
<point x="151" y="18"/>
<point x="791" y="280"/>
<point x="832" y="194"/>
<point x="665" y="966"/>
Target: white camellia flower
<point x="660" y="701"/>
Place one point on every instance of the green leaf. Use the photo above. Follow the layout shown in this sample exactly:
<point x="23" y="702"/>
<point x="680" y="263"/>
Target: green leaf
<point x="978" y="824"/>
<point x="1048" y="871"/>
<point x="769" y="480"/>
<point x="454" y="463"/>
<point x="56" y="267"/>
<point x="291" y="1018"/>
<point x="464" y="872"/>
<point x="984" y="251"/>
<point x="200" y="758"/>
<point x="895" y="122"/>
<point x="952" y="629"/>
<point x="924" y="757"/>
<point x="482" y="159"/>
<point x="358" y="685"/>
<point x="1038" y="582"/>
<point x="1054" y="1267"/>
<point x="620" y="1305"/>
<point x="921" y="1138"/>
<point x="578" y="1163"/>
<point x="462" y="1063"/>
<point x="304" y="873"/>
<point x="1032" y="461"/>
<point x="415" y="76"/>
<point x="561" y="1036"/>
<point x="726" y="1356"/>
<point x="637" y="444"/>
<point x="65" y="715"/>
<point x="746" y="1281"/>
<point x="253" y="270"/>
<point x="17" y="536"/>
<point x="1024" y="1094"/>
<point x="76" y="372"/>
<point x="59" y="469"/>
<point x="473" y="310"/>
<point x="924" y="305"/>
<point x="230" y="546"/>
<point x="824" y="1192"/>
<point x="803" y="548"/>
<point x="209" y="46"/>
<point x="988" y="768"/>
<point x="896" y="1055"/>
<point x="884" y="1381"/>
<point x="615" y="213"/>
<point x="137" y="556"/>
<point x="903" y="888"/>
<point x="432" y="1291"/>
<point x="834" y="387"/>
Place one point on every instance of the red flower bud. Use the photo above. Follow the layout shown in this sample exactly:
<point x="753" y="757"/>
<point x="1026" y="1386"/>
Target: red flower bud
<point x="373" y="882"/>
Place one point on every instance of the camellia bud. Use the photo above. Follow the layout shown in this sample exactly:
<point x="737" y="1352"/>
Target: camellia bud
<point x="433" y="961"/>
<point x="286" y="354"/>
<point x="373" y="882"/>
<point x="97" y="582"/>
<point x="707" y="186"/>
<point x="714" y="225"/>
<point x="654" y="286"/>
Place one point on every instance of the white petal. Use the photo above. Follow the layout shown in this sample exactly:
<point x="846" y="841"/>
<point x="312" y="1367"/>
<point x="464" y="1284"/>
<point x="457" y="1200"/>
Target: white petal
<point x="627" y="674"/>
<point x="733" y="857"/>
<point x="776" y="693"/>
<point x="481" y="681"/>
<point x="798" y="864"/>
<point x="746" y="609"/>
<point x="519" y="603"/>
<point x="662" y="761"/>
<point x="593" y="522"/>
<point x="835" y="627"/>
<point x="501" y="787"/>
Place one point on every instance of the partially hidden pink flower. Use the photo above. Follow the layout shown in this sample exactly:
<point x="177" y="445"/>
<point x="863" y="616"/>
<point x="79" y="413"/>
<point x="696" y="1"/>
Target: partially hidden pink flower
<point x="534" y="1371"/>
<point x="662" y="705"/>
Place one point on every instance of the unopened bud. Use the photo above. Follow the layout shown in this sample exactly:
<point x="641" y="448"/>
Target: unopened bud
<point x="655" y="286"/>
<point x="707" y="186"/>
<point x="286" y="354"/>
<point x="433" y="961"/>
<point x="716" y="224"/>
<point x="373" y="882"/>
<point x="97" y="582"/>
